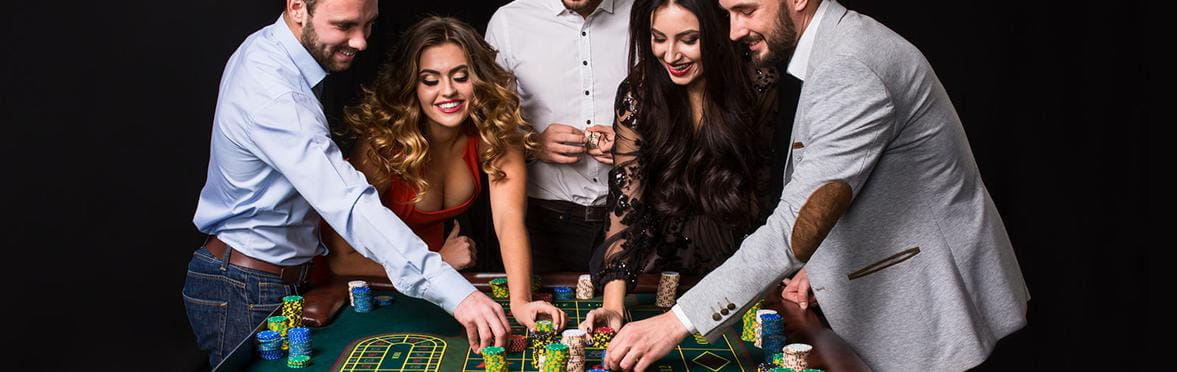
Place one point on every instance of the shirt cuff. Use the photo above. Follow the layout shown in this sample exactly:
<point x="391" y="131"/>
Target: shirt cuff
<point x="447" y="289"/>
<point x="682" y="317"/>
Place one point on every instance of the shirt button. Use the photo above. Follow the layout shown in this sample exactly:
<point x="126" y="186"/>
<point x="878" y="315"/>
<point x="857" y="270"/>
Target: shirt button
<point x="589" y="121"/>
<point x="594" y="179"/>
<point x="586" y="93"/>
<point x="584" y="62"/>
<point x="715" y="317"/>
<point x="582" y="33"/>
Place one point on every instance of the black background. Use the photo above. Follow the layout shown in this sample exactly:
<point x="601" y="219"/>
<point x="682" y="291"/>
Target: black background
<point x="107" y="109"/>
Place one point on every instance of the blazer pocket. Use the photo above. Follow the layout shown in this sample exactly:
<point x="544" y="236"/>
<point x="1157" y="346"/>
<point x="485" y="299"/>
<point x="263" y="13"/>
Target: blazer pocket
<point x="885" y="263"/>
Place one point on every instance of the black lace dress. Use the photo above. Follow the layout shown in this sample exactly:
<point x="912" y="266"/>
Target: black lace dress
<point x="648" y="242"/>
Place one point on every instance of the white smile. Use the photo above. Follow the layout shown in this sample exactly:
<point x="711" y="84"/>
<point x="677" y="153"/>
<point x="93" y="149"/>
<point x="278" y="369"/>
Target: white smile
<point x="681" y="68"/>
<point x="449" y="107"/>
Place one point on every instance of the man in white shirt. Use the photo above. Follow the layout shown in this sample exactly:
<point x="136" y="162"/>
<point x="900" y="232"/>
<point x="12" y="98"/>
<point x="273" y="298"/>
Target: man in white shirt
<point x="569" y="57"/>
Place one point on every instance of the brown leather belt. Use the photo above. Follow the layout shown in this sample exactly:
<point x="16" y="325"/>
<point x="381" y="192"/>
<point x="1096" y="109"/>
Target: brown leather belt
<point x="291" y="275"/>
<point x="571" y="210"/>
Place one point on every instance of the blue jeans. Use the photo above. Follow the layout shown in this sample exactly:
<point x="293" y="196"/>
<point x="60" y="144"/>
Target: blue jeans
<point x="226" y="303"/>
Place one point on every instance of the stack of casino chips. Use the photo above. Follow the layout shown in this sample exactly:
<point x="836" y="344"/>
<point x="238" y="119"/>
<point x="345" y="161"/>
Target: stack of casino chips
<point x="748" y="331"/>
<point x="584" y="288"/>
<point x="498" y="288"/>
<point x="758" y="340"/>
<point x="495" y="359"/>
<point x="555" y="358"/>
<point x="795" y="356"/>
<point x="542" y="296"/>
<point x="772" y="334"/>
<point x="564" y="294"/>
<point x="602" y="336"/>
<point x="300" y="341"/>
<point x="292" y="310"/>
<point x="269" y="345"/>
<point x="667" y="289"/>
<point x="545" y="326"/>
<point x="576" y="340"/>
<point x="536" y="283"/>
<point x="298" y="361"/>
<point x="778" y="359"/>
<point x="544" y="335"/>
<point x="361" y="299"/>
<point x="353" y="285"/>
<point x="280" y="324"/>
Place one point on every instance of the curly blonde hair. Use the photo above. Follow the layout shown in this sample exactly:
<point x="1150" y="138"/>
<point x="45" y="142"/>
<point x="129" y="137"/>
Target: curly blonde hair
<point x="390" y="119"/>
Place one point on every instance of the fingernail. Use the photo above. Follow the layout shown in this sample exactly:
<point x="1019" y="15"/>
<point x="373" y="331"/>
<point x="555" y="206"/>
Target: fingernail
<point x="804" y="305"/>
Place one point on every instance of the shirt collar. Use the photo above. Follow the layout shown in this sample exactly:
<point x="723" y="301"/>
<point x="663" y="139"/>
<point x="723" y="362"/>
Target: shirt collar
<point x="799" y="63"/>
<point x="308" y="67"/>
<point x="558" y="6"/>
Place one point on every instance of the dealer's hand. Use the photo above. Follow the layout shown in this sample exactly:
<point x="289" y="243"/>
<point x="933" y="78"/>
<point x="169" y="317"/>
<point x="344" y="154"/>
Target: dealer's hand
<point x="640" y="343"/>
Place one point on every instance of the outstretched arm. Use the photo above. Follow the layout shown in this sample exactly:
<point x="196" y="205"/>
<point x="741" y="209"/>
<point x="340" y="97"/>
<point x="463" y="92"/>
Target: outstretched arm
<point x="508" y="199"/>
<point x="624" y="198"/>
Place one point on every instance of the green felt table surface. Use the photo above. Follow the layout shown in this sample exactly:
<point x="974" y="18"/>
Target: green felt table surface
<point x="414" y="335"/>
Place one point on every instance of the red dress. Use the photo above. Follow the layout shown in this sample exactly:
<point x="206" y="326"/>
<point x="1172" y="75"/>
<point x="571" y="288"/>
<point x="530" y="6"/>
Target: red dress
<point x="430" y="226"/>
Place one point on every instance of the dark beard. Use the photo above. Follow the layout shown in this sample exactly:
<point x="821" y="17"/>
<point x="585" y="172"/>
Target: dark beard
<point x="321" y="53"/>
<point x="780" y="42"/>
<point x="586" y="8"/>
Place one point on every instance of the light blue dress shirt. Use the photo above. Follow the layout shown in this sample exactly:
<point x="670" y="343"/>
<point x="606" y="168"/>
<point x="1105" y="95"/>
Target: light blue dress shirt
<point x="274" y="173"/>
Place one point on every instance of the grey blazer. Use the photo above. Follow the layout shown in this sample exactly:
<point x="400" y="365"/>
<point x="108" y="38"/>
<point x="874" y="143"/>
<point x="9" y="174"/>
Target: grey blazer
<point x="918" y="272"/>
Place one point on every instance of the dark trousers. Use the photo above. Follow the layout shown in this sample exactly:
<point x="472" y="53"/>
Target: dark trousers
<point x="563" y="235"/>
<point x="226" y="303"/>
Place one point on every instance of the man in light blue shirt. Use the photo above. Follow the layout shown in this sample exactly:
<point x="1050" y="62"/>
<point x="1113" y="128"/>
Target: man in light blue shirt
<point x="274" y="174"/>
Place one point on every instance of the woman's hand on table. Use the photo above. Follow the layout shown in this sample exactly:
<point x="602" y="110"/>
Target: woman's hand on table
<point x="602" y="317"/>
<point x="526" y="313"/>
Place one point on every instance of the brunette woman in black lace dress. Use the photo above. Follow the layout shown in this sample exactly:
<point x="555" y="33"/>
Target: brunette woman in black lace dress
<point x="691" y="151"/>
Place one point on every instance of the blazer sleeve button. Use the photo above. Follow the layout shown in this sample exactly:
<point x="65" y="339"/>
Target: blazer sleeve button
<point x="715" y="317"/>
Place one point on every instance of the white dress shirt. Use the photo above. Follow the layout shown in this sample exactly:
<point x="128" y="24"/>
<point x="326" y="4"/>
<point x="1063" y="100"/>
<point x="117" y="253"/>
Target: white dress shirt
<point x="568" y="68"/>
<point x="798" y="67"/>
<point x="273" y="170"/>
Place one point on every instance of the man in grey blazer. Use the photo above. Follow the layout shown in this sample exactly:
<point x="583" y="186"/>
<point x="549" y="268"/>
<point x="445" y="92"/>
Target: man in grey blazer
<point x="883" y="205"/>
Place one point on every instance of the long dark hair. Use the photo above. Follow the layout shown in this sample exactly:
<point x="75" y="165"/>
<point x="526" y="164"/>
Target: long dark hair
<point x="707" y="172"/>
